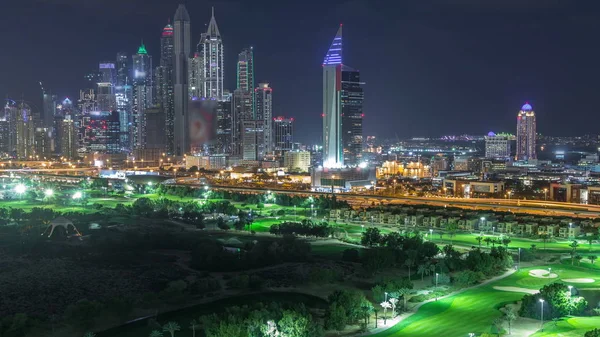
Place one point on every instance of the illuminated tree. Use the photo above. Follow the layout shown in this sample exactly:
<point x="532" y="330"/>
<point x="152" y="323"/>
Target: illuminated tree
<point x="171" y="327"/>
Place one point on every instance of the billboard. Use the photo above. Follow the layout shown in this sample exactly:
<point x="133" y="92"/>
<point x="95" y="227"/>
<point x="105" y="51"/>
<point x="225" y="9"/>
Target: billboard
<point x="202" y="124"/>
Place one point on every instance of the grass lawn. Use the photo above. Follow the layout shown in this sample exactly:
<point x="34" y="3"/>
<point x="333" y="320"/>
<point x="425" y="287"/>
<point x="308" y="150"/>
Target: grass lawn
<point x="469" y="239"/>
<point x="571" y="327"/>
<point x="474" y="310"/>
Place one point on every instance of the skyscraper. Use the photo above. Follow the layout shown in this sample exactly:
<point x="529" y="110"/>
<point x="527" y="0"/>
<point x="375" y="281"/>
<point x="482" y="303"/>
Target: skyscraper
<point x="242" y="111"/>
<point x="142" y="94"/>
<point x="253" y="140"/>
<point x="264" y="113"/>
<point x="106" y="87"/>
<point x="333" y="155"/>
<point x="526" y="133"/>
<point x="497" y="146"/>
<point x="165" y="85"/>
<point x="25" y="132"/>
<point x="210" y="51"/>
<point x="124" y="98"/>
<point x="181" y="34"/>
<point x="245" y="71"/>
<point x="283" y="133"/>
<point x="68" y="138"/>
<point x="352" y="116"/>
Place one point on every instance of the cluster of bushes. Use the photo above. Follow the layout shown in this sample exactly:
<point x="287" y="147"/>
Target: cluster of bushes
<point x="262" y="320"/>
<point x="557" y="303"/>
<point x="304" y="228"/>
<point x="347" y="307"/>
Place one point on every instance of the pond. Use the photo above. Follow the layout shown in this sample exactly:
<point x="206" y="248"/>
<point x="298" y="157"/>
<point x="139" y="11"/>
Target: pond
<point x="184" y="316"/>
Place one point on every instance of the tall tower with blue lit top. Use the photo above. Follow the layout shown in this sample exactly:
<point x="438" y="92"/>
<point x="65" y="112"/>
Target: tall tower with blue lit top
<point x="333" y="154"/>
<point x="526" y="133"/>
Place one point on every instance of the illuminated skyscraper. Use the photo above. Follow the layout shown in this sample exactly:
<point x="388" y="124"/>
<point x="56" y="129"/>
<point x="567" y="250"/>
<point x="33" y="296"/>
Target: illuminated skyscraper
<point x="245" y="71"/>
<point x="283" y="131"/>
<point x="25" y="132"/>
<point x="526" y="133"/>
<point x="124" y="98"/>
<point x="244" y="99"/>
<point x="181" y="34"/>
<point x="352" y="116"/>
<point x="164" y="76"/>
<point x="142" y="95"/>
<point x="210" y="51"/>
<point x="106" y="87"/>
<point x="264" y="113"/>
<point x="333" y="154"/>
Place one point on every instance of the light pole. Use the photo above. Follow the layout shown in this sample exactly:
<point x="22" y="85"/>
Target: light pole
<point x="312" y="206"/>
<point x="570" y="231"/>
<point x="493" y="230"/>
<point x="386" y="294"/>
<point x="363" y="227"/>
<point x="519" y="264"/>
<point x="373" y="183"/>
<point x="430" y="234"/>
<point x="570" y="295"/>
<point x="542" y="312"/>
<point x="294" y="213"/>
<point x="482" y="219"/>
<point x="545" y="194"/>
<point x="436" y="283"/>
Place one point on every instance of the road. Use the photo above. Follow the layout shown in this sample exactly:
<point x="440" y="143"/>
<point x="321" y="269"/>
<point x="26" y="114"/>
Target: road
<point x="535" y="207"/>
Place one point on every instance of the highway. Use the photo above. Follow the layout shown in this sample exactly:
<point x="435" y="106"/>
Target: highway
<point x="534" y="207"/>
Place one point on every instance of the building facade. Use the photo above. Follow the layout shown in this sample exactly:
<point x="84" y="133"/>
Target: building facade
<point x="352" y="116"/>
<point x="164" y="84"/>
<point x="102" y="132"/>
<point x="497" y="146"/>
<point x="142" y="95"/>
<point x="283" y="130"/>
<point x="181" y="50"/>
<point x="264" y="111"/>
<point x="212" y="69"/>
<point x="68" y="138"/>
<point x="297" y="161"/>
<point x="526" y="133"/>
<point x="253" y="140"/>
<point x="25" y="132"/>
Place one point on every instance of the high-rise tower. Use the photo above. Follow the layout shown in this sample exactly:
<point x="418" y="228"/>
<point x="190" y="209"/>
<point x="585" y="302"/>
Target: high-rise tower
<point x="142" y="94"/>
<point x="333" y="154"/>
<point x="164" y="76"/>
<point x="181" y="51"/>
<point x="264" y="113"/>
<point x="124" y="98"/>
<point x="526" y="133"/>
<point x="210" y="51"/>
<point x="352" y="116"/>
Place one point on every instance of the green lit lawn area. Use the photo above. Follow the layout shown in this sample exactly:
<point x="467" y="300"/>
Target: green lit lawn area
<point x="468" y="239"/>
<point x="571" y="327"/>
<point x="474" y="310"/>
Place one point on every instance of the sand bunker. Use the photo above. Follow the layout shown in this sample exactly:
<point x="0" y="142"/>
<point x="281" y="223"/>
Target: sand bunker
<point x="579" y="280"/>
<point x="518" y="290"/>
<point x="541" y="273"/>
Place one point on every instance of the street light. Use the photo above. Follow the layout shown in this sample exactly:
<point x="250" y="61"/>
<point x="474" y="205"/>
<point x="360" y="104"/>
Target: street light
<point x="545" y="194"/>
<point x="20" y="189"/>
<point x="430" y="234"/>
<point x="519" y="264"/>
<point x="436" y="284"/>
<point x="570" y="295"/>
<point x="48" y="193"/>
<point x="542" y="312"/>
<point x="77" y="195"/>
<point x="373" y="183"/>
<point x="482" y="219"/>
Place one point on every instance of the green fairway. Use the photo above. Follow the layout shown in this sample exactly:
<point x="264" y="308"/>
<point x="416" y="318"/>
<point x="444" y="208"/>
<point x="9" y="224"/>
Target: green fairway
<point x="474" y="310"/>
<point x="571" y="327"/>
<point x="468" y="239"/>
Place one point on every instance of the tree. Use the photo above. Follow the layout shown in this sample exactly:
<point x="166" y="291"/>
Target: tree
<point x="294" y="324"/>
<point x="487" y="241"/>
<point x="423" y="269"/>
<point x="336" y="319"/>
<point x="557" y="303"/>
<point x="544" y="238"/>
<point x="573" y="246"/>
<point x="479" y="239"/>
<point x="171" y="327"/>
<point x="404" y="292"/>
<point x="591" y="239"/>
<point x="385" y="305"/>
<point x="497" y="325"/>
<point x="592" y="333"/>
<point x="533" y="248"/>
<point x="156" y="333"/>
<point x="393" y="302"/>
<point x="408" y="263"/>
<point x="452" y="228"/>
<point x="510" y="316"/>
<point x="578" y="258"/>
<point x="193" y="325"/>
<point x="592" y="258"/>
<point x="371" y="237"/>
<point x="506" y="242"/>
<point x="89" y="334"/>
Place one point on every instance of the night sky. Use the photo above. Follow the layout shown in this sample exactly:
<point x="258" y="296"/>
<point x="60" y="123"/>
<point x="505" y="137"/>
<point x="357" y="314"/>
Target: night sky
<point x="431" y="67"/>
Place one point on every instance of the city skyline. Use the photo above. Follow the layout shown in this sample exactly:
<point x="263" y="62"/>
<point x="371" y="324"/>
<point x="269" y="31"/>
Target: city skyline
<point x="522" y="79"/>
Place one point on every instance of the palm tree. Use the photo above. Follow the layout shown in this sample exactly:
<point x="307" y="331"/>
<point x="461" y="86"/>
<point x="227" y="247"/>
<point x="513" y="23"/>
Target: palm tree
<point x="544" y="239"/>
<point x="591" y="239"/>
<point x="487" y="241"/>
<point x="506" y="242"/>
<point x="510" y="316"/>
<point x="479" y="238"/>
<point x="578" y="258"/>
<point x="156" y="333"/>
<point x="193" y="325"/>
<point x="592" y="258"/>
<point x="404" y="292"/>
<point x="573" y="246"/>
<point x="432" y="268"/>
<point x="408" y="263"/>
<point x="89" y="334"/>
<point x="422" y="269"/>
<point x="171" y="327"/>
<point x="393" y="302"/>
